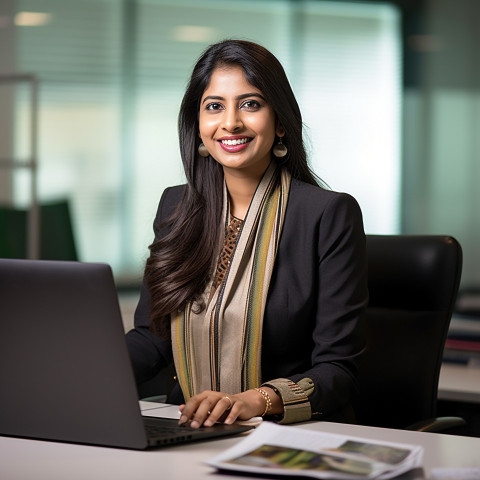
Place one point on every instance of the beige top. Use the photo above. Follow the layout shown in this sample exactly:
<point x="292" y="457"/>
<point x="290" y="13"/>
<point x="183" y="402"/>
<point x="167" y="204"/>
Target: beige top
<point x="296" y="406"/>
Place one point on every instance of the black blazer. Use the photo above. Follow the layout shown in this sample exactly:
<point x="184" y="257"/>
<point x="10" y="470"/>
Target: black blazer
<point x="317" y="295"/>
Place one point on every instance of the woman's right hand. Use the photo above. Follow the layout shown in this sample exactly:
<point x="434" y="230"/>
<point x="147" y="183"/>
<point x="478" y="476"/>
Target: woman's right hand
<point x="210" y="407"/>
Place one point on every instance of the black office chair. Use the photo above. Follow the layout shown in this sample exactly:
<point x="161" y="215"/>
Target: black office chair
<point x="413" y="282"/>
<point x="57" y="240"/>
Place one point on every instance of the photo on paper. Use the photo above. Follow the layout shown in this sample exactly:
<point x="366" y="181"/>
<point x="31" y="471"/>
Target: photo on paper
<point x="272" y="456"/>
<point x="378" y="453"/>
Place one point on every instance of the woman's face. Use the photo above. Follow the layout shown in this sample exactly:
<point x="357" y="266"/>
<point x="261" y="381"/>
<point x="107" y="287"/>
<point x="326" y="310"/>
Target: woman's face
<point x="236" y="124"/>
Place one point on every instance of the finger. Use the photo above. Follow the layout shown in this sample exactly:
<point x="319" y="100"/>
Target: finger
<point x="227" y="399"/>
<point x="196" y="409"/>
<point x="188" y="409"/>
<point x="203" y="411"/>
<point x="233" y="413"/>
<point x="223" y="405"/>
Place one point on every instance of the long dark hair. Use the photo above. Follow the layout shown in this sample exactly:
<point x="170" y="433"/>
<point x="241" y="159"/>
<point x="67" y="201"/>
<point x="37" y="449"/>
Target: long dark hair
<point x="181" y="262"/>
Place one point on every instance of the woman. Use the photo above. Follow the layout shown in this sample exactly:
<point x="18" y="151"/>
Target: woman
<point x="256" y="280"/>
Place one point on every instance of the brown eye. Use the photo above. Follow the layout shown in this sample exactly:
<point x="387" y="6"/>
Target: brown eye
<point x="251" y="105"/>
<point x="214" y="106"/>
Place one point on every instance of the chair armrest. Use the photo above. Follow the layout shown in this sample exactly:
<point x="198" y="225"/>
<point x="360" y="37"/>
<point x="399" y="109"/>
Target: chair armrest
<point x="438" y="424"/>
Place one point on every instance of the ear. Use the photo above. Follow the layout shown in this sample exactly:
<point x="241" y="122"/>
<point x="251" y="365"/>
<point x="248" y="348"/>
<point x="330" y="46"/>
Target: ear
<point x="279" y="130"/>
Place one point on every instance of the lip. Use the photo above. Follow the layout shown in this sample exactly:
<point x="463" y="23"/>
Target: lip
<point x="234" y="148"/>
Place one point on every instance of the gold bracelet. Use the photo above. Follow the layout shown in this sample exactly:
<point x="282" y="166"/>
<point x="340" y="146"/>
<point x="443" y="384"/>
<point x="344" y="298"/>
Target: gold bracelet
<point x="266" y="397"/>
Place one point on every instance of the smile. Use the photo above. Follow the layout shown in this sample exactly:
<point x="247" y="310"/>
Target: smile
<point x="234" y="145"/>
<point x="237" y="141"/>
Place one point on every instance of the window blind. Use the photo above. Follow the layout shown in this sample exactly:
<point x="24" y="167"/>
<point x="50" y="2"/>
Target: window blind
<point x="111" y="87"/>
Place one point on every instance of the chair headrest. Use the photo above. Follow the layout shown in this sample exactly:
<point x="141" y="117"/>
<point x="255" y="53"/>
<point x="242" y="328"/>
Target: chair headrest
<point x="413" y="271"/>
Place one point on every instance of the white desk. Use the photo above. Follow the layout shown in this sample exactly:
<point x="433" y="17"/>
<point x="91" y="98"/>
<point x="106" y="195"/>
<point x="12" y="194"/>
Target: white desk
<point x="29" y="459"/>
<point x="460" y="383"/>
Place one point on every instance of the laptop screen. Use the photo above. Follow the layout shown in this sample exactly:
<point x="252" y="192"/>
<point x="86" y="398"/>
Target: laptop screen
<point x="64" y="366"/>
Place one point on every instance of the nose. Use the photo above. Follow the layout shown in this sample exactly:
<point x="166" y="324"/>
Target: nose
<point x="232" y="121"/>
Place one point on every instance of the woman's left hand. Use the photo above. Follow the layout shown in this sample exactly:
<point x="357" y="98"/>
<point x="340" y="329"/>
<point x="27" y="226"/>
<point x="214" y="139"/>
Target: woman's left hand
<point x="209" y="407"/>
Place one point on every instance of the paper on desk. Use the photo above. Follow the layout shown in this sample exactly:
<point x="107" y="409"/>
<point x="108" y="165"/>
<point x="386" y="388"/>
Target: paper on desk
<point x="456" y="473"/>
<point x="286" y="450"/>
<point x="153" y="409"/>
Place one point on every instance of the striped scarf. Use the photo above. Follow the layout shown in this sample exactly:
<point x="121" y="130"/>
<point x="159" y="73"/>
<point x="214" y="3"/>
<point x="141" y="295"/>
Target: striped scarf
<point x="220" y="348"/>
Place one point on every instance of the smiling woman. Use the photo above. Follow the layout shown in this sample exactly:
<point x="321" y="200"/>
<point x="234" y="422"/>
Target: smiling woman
<point x="110" y="89"/>
<point x="238" y="128"/>
<point x="256" y="281"/>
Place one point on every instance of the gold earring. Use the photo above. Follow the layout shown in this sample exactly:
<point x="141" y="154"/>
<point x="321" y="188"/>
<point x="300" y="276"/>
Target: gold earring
<point x="280" y="150"/>
<point x="202" y="150"/>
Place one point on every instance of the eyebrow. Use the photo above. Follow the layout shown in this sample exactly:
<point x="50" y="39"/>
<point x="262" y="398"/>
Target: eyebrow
<point x="239" y="97"/>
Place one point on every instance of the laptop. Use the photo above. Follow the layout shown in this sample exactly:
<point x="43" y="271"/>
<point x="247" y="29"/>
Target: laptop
<point x="65" y="371"/>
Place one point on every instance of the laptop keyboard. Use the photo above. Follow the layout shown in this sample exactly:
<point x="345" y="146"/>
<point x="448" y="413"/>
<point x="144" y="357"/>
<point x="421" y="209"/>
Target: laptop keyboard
<point x="166" y="431"/>
<point x="162" y="430"/>
<point x="169" y="430"/>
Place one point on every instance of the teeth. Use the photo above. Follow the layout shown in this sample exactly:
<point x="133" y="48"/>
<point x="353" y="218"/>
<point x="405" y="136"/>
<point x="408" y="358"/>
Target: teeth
<point x="239" y="141"/>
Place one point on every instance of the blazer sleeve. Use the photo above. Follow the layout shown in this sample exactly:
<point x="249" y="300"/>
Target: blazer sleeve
<point x="342" y="298"/>
<point x="149" y="353"/>
<point x="325" y="329"/>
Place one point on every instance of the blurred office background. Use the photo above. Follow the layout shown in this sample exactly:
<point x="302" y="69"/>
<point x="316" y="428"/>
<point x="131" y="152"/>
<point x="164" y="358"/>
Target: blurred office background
<point x="390" y="93"/>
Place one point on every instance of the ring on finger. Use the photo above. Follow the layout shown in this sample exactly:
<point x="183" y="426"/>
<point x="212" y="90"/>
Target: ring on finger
<point x="230" y="401"/>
